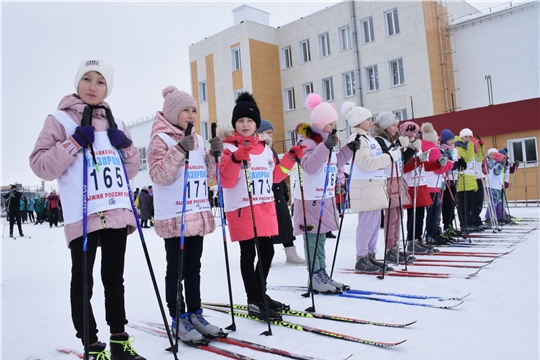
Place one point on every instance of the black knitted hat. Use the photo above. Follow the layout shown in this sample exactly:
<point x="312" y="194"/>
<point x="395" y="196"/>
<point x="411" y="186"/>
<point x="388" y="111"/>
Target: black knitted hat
<point x="246" y="107"/>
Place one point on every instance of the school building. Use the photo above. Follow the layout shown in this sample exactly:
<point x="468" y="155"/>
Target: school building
<point x="420" y="60"/>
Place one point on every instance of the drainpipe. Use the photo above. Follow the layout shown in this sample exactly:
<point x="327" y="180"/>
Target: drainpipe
<point x="358" y="75"/>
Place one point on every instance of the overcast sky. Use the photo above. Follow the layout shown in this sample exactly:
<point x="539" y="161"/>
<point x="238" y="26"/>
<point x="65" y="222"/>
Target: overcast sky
<point x="147" y="43"/>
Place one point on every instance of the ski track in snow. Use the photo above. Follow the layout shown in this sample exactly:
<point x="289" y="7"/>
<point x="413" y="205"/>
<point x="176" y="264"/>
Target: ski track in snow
<point x="499" y="320"/>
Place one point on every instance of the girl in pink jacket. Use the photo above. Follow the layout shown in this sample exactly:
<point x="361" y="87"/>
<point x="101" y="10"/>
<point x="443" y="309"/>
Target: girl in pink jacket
<point x="245" y="146"/>
<point x="166" y="158"/>
<point x="84" y="119"/>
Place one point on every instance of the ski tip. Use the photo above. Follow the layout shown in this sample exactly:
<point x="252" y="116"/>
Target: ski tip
<point x="453" y="306"/>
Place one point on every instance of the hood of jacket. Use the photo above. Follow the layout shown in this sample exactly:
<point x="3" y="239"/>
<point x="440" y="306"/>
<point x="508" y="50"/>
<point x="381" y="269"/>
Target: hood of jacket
<point x="162" y="126"/>
<point x="74" y="106"/>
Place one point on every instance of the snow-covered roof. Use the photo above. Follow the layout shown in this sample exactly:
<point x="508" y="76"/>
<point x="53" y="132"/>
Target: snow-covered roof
<point x="492" y="11"/>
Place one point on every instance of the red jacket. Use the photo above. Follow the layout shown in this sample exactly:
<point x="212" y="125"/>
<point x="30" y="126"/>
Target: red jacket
<point x="240" y="221"/>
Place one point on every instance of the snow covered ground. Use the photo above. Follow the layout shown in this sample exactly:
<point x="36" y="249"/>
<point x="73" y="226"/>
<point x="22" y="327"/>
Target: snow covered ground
<point x="499" y="320"/>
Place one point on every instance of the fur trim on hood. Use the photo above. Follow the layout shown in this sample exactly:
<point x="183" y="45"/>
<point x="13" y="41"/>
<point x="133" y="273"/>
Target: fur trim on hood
<point x="307" y="132"/>
<point x="379" y="131"/>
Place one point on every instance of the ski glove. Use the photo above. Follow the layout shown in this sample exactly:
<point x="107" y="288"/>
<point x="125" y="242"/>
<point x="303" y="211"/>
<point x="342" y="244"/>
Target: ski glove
<point x="403" y="141"/>
<point x="242" y="154"/>
<point x="423" y="157"/>
<point x="462" y="164"/>
<point x="354" y="145"/>
<point x="416" y="144"/>
<point x="118" y="138"/>
<point x="84" y="135"/>
<point x="216" y="146"/>
<point x="187" y="143"/>
<point x="331" y="141"/>
<point x="442" y="161"/>
<point x="297" y="152"/>
<point x="394" y="154"/>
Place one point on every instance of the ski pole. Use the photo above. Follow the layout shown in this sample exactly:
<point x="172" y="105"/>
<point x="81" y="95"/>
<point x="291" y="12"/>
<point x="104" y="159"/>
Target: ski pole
<point x="112" y="124"/>
<point x="401" y="218"/>
<point x="182" y="237"/>
<point x="306" y="243"/>
<point x="245" y="165"/>
<point x="344" y="206"/>
<point x="320" y="217"/>
<point x="86" y="298"/>
<point x="381" y="277"/>
<point x="231" y="327"/>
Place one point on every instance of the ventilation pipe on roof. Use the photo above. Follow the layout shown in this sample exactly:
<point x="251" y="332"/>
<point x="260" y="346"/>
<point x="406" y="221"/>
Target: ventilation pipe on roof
<point x="357" y="72"/>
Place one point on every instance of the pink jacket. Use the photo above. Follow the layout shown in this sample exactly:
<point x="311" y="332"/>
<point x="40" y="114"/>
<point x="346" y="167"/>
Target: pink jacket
<point x="164" y="164"/>
<point x="434" y="156"/>
<point x="240" y="222"/>
<point x="55" y="151"/>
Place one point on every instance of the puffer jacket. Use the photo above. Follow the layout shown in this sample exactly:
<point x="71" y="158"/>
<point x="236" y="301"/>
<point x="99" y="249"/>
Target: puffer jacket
<point x="315" y="157"/>
<point x="368" y="194"/>
<point x="55" y="151"/>
<point x="466" y="151"/>
<point x="434" y="156"/>
<point x="240" y="221"/>
<point x="164" y="163"/>
<point x="422" y="194"/>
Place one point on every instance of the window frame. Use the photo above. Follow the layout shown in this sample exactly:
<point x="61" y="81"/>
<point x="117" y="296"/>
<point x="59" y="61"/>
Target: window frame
<point x="401" y="114"/>
<point x="371" y="26"/>
<point x="350" y="74"/>
<point x="142" y="153"/>
<point x="286" y="57"/>
<point x="395" y="29"/>
<point x="324" y="45"/>
<point x="289" y="99"/>
<point x="401" y="74"/>
<point x="236" y="60"/>
<point x="203" y="91"/>
<point x="526" y="163"/>
<point x="348" y="37"/>
<point x="205" y="130"/>
<point x="303" y="55"/>
<point x="305" y="93"/>
<point x="326" y="96"/>
<point x="377" y="85"/>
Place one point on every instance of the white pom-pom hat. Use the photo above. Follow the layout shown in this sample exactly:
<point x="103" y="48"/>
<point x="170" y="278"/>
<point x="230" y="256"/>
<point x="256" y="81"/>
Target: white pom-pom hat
<point x="355" y="114"/>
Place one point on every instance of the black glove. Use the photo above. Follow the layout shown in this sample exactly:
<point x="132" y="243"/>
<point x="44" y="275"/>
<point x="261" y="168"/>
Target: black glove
<point x="462" y="164"/>
<point x="354" y="145"/>
<point x="331" y="141"/>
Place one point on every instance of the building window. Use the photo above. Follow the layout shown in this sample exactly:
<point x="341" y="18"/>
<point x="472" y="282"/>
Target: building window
<point x="202" y="92"/>
<point x="204" y="130"/>
<point x="344" y="37"/>
<point x="391" y="22"/>
<point x="400" y="114"/>
<point x="368" y="35"/>
<point x="235" y="95"/>
<point x="396" y="72"/>
<point x="328" y="89"/>
<point x="290" y="102"/>
<point x="305" y="52"/>
<point x="307" y="89"/>
<point x="286" y="57"/>
<point x="372" y="78"/>
<point x="324" y="45"/>
<point x="349" y="84"/>
<point x="524" y="150"/>
<point x="142" y="152"/>
<point x="236" y="60"/>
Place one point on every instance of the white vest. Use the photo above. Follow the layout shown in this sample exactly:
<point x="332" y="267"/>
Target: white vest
<point x="494" y="181"/>
<point x="314" y="183"/>
<point x="434" y="180"/>
<point x="374" y="150"/>
<point x="389" y="171"/>
<point x="168" y="199"/>
<point x="261" y="176"/>
<point x="107" y="188"/>
<point x="416" y="176"/>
